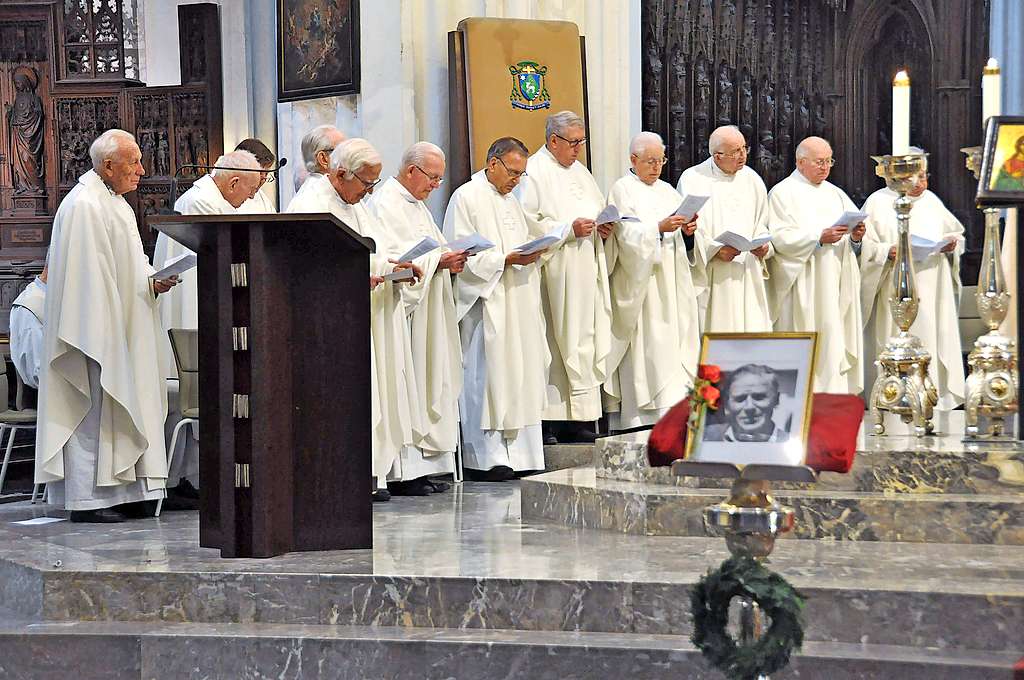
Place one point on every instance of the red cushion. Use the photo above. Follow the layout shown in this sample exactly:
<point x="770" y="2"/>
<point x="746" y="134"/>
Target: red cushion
<point x="832" y="441"/>
<point x="1018" y="670"/>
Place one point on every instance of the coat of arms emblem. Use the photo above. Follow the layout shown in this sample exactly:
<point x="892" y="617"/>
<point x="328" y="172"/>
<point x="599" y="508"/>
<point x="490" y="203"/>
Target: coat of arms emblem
<point x="528" y="89"/>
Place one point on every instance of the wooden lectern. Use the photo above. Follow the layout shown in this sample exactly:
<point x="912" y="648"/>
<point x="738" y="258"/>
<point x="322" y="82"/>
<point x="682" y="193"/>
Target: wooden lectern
<point x="284" y="382"/>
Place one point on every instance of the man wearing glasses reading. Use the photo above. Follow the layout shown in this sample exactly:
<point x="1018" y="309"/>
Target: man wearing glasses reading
<point x="815" y="276"/>
<point x="260" y="203"/>
<point x="561" y="192"/>
<point x="736" y="299"/>
<point x="430" y="314"/>
<point x="352" y="173"/>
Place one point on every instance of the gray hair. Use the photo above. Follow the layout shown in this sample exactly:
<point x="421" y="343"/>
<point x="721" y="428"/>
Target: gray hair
<point x="803" y="148"/>
<point x="229" y="164"/>
<point x="557" y="123"/>
<point x="108" y="145"/>
<point x="315" y="141"/>
<point x="718" y="137"/>
<point x="418" y="152"/>
<point x="353" y="155"/>
<point x="758" y="370"/>
<point x="644" y="140"/>
<point x="506" y="145"/>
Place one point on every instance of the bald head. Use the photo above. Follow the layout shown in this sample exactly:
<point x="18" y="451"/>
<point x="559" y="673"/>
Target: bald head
<point x="814" y="159"/>
<point x="728" y="147"/>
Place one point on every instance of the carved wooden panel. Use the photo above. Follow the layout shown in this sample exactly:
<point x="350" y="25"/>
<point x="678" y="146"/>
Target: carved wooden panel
<point x="785" y="69"/>
<point x="79" y="120"/>
<point x="99" y="40"/>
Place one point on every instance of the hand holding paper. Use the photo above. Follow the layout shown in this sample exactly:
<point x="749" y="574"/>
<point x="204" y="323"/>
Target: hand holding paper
<point x="611" y="215"/>
<point x="175" y="267"/>
<point x="850" y="219"/>
<point x="420" y="249"/>
<point x="542" y="243"/>
<point x="742" y="243"/>
<point x="922" y="248"/>
<point x="471" y="245"/>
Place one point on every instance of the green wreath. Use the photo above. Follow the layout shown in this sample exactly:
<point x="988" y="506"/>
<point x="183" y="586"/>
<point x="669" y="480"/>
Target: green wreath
<point x="783" y="604"/>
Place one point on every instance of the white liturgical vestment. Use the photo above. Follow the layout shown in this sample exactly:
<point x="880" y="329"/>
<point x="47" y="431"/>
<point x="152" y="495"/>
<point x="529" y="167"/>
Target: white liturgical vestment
<point x="655" y="316"/>
<point x="505" y="353"/>
<point x="436" y="354"/>
<point x="736" y="301"/>
<point x="259" y="204"/>
<point x="938" y="287"/>
<point x="393" y="390"/>
<point x="816" y="287"/>
<point x="27" y="314"/>
<point x="574" y="284"/>
<point x="102" y="399"/>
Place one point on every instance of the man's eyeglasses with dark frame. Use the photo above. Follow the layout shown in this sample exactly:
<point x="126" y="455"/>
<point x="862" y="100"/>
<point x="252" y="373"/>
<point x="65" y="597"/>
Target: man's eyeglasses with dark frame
<point x="572" y="142"/>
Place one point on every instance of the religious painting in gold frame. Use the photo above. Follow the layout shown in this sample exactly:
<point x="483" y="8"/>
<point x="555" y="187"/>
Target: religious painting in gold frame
<point x="1002" y="165"/>
<point x="764" y="410"/>
<point x="317" y="48"/>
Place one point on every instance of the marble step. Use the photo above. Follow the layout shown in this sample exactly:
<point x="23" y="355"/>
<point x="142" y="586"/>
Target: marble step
<point x="104" y="651"/>
<point x="928" y="466"/>
<point x="899" y="600"/>
<point x="565" y="456"/>
<point x="579" y="498"/>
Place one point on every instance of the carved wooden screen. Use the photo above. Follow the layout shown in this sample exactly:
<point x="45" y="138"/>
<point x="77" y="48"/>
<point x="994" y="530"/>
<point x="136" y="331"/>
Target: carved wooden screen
<point x="785" y="69"/>
<point x="99" y="40"/>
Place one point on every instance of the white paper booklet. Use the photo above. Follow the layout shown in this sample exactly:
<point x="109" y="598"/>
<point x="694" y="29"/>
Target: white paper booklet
<point x="691" y="205"/>
<point x="176" y="266"/>
<point x="420" y="249"/>
<point x="472" y="244"/>
<point x="611" y="214"/>
<point x="741" y="243"/>
<point x="546" y="241"/>
<point x="922" y="248"/>
<point x="400" y="275"/>
<point x="850" y="218"/>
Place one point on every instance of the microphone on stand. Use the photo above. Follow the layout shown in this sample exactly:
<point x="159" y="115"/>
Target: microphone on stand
<point x="172" y="195"/>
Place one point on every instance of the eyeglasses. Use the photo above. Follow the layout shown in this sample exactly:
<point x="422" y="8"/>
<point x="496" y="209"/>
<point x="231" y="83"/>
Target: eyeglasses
<point x="368" y="186"/>
<point x="511" y="173"/>
<point x="823" y="163"/>
<point x="572" y="142"/>
<point x="738" y="153"/>
<point x="434" y="179"/>
<point x="652" y="162"/>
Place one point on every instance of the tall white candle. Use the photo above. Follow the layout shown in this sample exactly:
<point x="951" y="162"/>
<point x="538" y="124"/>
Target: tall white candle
<point x="991" y="100"/>
<point x="901" y="114"/>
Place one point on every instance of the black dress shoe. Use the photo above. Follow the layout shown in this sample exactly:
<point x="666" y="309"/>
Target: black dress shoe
<point x="175" y="503"/>
<point x="184" y="490"/>
<point x="137" y="509"/>
<point x="381" y="496"/>
<point x="413" y="487"/>
<point x="550" y="440"/>
<point x="582" y="435"/>
<point x="499" y="473"/>
<point x="101" y="516"/>
<point x="438" y="485"/>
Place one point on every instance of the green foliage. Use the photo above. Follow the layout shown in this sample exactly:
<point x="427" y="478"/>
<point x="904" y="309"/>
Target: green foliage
<point x="783" y="604"/>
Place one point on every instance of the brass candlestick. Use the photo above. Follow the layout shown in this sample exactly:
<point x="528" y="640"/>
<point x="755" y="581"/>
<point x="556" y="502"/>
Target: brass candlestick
<point x="903" y="386"/>
<point x="992" y="383"/>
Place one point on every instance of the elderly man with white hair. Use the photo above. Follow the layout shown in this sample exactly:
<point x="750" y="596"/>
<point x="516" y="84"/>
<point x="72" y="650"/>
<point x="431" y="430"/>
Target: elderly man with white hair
<point x="938" y="284"/>
<point x="430" y="310"/>
<point x="736" y="299"/>
<point x="559" y="192"/>
<point x="221" y="192"/>
<point x="498" y="302"/>
<point x="317" y="146"/>
<point x="654" y="290"/>
<point x="102" y="402"/>
<point x="815" y="277"/>
<point x="353" y="172"/>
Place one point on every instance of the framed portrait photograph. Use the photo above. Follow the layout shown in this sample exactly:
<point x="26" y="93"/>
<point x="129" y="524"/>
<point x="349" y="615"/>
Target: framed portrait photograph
<point x="317" y="48"/>
<point x="763" y="413"/>
<point x="1002" y="164"/>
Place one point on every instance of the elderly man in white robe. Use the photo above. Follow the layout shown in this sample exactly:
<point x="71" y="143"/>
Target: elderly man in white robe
<point x="260" y="203"/>
<point x="815" y="276"/>
<point x="102" y="402"/>
<point x="220" y="192"/>
<point x="353" y="172"/>
<point x="498" y="302"/>
<point x="430" y="309"/>
<point x="655" y="318"/>
<point x="28" y="311"/>
<point x="736" y="299"/>
<point x="937" y="278"/>
<point x="559" y="192"/>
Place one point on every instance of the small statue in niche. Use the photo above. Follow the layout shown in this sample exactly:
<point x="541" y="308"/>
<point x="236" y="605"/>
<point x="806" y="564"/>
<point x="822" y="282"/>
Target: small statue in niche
<point x="199" y="144"/>
<point x="820" y="123"/>
<point x="185" y="154"/>
<point x="786" y="120"/>
<point x="725" y="95"/>
<point x="163" y="153"/>
<point x="148" y="148"/>
<point x="746" y="105"/>
<point x="25" y="129"/>
<point x="803" y="117"/>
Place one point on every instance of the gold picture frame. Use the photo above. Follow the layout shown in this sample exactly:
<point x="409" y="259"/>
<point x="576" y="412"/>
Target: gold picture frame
<point x="769" y="421"/>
